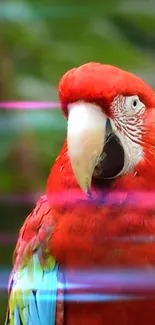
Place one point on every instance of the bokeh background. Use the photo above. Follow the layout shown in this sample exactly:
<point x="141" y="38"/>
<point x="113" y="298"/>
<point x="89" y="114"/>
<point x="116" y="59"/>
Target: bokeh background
<point x="39" y="41"/>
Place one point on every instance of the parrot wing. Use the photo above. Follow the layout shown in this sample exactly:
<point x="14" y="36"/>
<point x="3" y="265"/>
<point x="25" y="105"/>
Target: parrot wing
<point x="35" y="284"/>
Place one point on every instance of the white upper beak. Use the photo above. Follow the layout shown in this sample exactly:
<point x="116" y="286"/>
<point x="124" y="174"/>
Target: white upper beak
<point x="86" y="137"/>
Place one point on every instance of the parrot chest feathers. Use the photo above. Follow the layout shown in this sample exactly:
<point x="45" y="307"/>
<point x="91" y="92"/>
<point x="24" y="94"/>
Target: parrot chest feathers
<point x="104" y="236"/>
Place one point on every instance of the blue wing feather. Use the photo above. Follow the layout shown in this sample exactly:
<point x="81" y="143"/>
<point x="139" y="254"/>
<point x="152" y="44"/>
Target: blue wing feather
<point x="33" y="311"/>
<point x="34" y="295"/>
<point x="17" y="316"/>
<point x="46" y="297"/>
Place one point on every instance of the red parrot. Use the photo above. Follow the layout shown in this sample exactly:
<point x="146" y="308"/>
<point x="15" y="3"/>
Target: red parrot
<point x="86" y="253"/>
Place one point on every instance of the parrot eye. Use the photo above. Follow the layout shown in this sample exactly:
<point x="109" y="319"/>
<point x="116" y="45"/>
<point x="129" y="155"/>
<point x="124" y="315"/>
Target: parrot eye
<point x="133" y="105"/>
<point x="135" y="102"/>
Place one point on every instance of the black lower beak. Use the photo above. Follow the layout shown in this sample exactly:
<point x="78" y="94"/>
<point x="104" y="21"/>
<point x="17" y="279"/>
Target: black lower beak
<point x="111" y="161"/>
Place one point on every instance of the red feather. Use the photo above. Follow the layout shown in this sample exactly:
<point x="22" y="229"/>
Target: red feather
<point x="99" y="83"/>
<point x="83" y="234"/>
<point x="82" y="237"/>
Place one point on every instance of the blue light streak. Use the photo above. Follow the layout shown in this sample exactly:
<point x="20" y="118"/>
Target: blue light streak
<point x="127" y="279"/>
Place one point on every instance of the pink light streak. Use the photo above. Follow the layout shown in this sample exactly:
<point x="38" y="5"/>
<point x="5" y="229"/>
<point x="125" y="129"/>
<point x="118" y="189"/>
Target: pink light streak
<point x="24" y="105"/>
<point x="136" y="199"/>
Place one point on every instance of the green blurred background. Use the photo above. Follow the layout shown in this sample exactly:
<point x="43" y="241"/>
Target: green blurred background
<point x="39" y="41"/>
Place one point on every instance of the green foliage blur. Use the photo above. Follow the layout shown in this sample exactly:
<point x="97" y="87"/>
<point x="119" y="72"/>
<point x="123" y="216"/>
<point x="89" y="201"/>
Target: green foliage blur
<point x="39" y="41"/>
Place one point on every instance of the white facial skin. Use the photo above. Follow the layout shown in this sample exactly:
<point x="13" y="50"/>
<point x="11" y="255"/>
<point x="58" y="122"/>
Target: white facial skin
<point x="86" y="135"/>
<point x="128" y="126"/>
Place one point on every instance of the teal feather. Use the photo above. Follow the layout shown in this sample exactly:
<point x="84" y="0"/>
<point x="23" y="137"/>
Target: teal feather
<point x="17" y="316"/>
<point x="49" y="295"/>
<point x="33" y="295"/>
<point x="33" y="310"/>
<point x="47" y="284"/>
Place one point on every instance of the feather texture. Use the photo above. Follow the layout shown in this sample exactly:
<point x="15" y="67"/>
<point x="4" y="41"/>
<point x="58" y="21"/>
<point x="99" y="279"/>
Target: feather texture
<point x="34" y="280"/>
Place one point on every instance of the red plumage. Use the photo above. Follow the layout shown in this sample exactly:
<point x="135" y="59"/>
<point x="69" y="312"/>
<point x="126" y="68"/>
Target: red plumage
<point x="95" y="82"/>
<point x="87" y="235"/>
<point x="78" y="240"/>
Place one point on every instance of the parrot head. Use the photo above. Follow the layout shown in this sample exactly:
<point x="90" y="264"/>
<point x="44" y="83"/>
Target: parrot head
<point x="111" y="126"/>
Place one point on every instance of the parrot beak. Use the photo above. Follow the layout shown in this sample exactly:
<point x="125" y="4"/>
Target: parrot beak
<point x="85" y="136"/>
